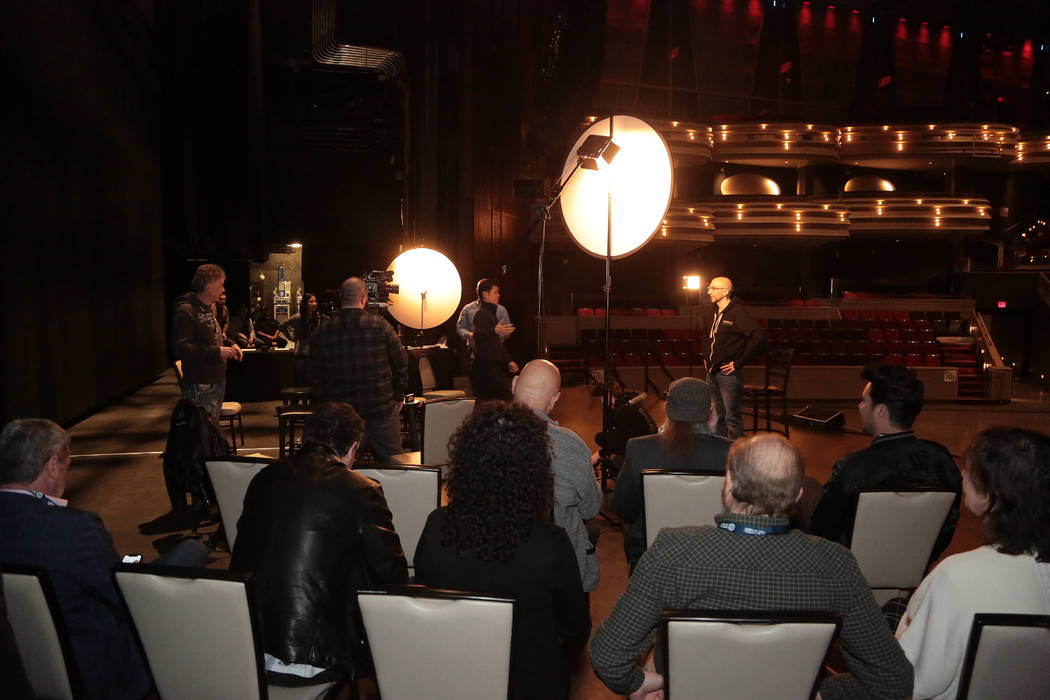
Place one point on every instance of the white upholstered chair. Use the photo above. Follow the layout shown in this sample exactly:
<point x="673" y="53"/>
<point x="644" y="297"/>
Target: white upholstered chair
<point x="428" y="381"/>
<point x="230" y="477"/>
<point x="40" y="633"/>
<point x="412" y="493"/>
<point x="711" y="654"/>
<point x="196" y="626"/>
<point x="1007" y="657"/>
<point x="437" y="644"/>
<point x="441" y="418"/>
<point x="893" y="535"/>
<point x="680" y="498"/>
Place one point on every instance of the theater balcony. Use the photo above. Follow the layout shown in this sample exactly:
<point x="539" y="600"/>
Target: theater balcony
<point x="778" y="145"/>
<point x="928" y="146"/>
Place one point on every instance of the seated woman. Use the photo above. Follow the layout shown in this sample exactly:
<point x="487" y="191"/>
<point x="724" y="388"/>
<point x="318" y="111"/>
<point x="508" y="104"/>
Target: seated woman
<point x="302" y="325"/>
<point x="1006" y="483"/>
<point x="688" y="443"/>
<point x="496" y="536"/>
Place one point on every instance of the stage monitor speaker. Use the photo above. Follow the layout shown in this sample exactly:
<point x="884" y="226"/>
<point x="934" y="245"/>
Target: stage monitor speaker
<point x="824" y="418"/>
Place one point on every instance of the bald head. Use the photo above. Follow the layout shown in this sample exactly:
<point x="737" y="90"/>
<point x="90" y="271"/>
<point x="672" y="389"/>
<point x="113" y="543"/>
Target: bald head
<point x="722" y="282"/>
<point x="538" y="386"/>
<point x="353" y="294"/>
<point x="719" y="290"/>
<point x="764" y="476"/>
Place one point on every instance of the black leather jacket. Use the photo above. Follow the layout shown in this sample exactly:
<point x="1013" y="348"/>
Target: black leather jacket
<point x="899" y="460"/>
<point x="312" y="533"/>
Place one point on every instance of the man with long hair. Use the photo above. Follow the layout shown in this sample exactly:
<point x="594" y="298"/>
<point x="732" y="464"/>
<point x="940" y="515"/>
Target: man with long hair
<point x="688" y="443"/>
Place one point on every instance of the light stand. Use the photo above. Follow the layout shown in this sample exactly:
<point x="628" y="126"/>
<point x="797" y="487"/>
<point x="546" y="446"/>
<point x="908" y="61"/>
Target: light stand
<point x="634" y="191"/>
<point x="594" y="146"/>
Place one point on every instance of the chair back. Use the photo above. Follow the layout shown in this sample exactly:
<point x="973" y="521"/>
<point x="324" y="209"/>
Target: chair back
<point x="426" y="374"/>
<point x="196" y="627"/>
<point x="230" y="477"/>
<point x="778" y="368"/>
<point x="894" y="533"/>
<point x="178" y="372"/>
<point x="721" y="654"/>
<point x="680" y="498"/>
<point x="1006" y="657"/>
<point x="40" y="633"/>
<point x="431" y="643"/>
<point x="411" y="494"/>
<point x="441" y="417"/>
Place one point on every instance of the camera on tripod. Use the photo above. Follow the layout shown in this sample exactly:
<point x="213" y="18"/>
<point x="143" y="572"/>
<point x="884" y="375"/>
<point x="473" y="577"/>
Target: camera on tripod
<point x="379" y="284"/>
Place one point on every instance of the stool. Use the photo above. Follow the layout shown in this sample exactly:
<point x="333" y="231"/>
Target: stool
<point x="230" y="412"/>
<point x="297" y="395"/>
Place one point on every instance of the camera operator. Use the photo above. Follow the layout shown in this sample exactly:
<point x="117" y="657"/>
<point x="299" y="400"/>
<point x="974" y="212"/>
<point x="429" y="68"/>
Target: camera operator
<point x="357" y="358"/>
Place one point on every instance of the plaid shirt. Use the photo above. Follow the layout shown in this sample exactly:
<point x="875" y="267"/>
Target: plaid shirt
<point x="356" y="357"/>
<point x="711" y="568"/>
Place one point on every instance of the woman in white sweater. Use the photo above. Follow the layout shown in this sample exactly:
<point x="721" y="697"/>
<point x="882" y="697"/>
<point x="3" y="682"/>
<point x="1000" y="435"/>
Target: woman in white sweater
<point x="1006" y="483"/>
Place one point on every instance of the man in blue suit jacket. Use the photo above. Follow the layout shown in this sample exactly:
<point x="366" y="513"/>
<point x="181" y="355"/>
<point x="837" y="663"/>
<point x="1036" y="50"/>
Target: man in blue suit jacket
<point x="37" y="529"/>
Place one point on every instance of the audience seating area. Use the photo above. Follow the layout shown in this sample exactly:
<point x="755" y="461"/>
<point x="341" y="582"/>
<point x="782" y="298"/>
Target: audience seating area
<point x="859" y="337"/>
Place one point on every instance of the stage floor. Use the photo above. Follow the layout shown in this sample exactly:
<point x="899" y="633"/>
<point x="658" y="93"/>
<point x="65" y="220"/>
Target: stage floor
<point x="116" y="467"/>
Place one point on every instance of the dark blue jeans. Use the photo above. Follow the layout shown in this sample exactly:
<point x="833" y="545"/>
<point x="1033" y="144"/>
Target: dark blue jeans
<point x="726" y="390"/>
<point x="209" y="396"/>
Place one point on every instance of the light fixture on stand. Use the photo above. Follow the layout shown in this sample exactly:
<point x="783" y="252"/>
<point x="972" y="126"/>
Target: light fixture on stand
<point x="429" y="289"/>
<point x="613" y="208"/>
<point x="588" y="152"/>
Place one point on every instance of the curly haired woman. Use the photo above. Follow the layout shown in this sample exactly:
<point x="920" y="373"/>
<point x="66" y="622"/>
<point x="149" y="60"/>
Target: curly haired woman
<point x="496" y="536"/>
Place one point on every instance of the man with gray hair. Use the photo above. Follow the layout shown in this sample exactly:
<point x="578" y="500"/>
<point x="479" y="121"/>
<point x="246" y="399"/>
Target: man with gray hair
<point x="357" y="358"/>
<point x="751" y="560"/>
<point x="197" y="340"/>
<point x="576" y="494"/>
<point x="40" y="530"/>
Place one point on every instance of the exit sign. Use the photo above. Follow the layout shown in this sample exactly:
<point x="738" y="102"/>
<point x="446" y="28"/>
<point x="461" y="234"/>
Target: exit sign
<point x="1001" y="304"/>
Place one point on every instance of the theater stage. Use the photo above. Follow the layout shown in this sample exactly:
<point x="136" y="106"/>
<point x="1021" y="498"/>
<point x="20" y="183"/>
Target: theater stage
<point x="116" y="467"/>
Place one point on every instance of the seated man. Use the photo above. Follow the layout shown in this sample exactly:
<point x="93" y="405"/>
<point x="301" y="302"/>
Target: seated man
<point x="77" y="553"/>
<point x="687" y="443"/>
<point x="576" y="493"/>
<point x="890" y="402"/>
<point x="312" y="533"/>
<point x="751" y="560"/>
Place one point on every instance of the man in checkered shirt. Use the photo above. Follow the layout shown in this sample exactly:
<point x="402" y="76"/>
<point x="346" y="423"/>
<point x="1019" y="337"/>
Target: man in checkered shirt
<point x="357" y="358"/>
<point x="751" y="560"/>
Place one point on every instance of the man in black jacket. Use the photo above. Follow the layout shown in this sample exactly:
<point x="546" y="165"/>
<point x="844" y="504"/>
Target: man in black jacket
<point x="196" y="340"/>
<point x="312" y="533"/>
<point x="733" y="337"/>
<point x="890" y="403"/>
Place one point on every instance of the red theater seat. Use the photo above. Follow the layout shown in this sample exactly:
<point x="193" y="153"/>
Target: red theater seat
<point x="584" y="311"/>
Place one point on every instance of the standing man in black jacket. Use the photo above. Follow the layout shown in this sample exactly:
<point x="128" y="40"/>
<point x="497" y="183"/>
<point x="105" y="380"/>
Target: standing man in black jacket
<point x="312" y="533"/>
<point x="733" y="337"/>
<point x="196" y="339"/>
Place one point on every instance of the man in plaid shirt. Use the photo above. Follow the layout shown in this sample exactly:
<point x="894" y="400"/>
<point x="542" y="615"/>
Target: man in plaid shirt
<point x="357" y="358"/>
<point x="751" y="560"/>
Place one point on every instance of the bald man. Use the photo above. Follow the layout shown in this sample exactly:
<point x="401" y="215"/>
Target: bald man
<point x="576" y="494"/>
<point x="733" y="338"/>
<point x="751" y="559"/>
<point x="357" y="358"/>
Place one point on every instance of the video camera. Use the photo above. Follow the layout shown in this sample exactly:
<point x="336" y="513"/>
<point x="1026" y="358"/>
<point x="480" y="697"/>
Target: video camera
<point x="378" y="283"/>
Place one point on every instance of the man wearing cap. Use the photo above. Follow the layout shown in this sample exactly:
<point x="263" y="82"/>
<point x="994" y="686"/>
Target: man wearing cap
<point x="687" y="442"/>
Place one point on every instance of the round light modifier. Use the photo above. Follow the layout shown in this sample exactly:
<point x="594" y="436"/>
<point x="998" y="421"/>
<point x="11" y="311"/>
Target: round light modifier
<point x="640" y="177"/>
<point x="424" y="270"/>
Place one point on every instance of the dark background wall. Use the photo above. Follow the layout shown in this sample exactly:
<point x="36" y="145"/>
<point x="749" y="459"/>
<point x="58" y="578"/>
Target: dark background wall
<point x="83" y="269"/>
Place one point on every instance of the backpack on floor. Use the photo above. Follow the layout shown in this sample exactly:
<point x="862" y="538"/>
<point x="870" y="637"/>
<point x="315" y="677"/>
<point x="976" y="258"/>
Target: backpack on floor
<point x="194" y="436"/>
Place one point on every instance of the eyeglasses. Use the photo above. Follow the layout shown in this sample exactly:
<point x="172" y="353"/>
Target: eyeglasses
<point x="717" y="288"/>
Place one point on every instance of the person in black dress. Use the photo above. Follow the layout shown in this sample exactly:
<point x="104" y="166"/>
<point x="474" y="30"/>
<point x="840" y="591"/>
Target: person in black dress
<point x="492" y="368"/>
<point x="496" y="536"/>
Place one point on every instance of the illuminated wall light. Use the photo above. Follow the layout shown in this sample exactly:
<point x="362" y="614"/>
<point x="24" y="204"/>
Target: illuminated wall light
<point x="918" y="201"/>
<point x="787" y="145"/>
<point x="780" y="205"/>
<point x="809" y="126"/>
<point x="762" y="126"/>
<point x="692" y="135"/>
<point x="879" y="211"/>
<point x="724" y="136"/>
<point x="690" y="210"/>
<point x="740" y="216"/>
<point x="739" y="206"/>
<point x="966" y="201"/>
<point x="849" y="138"/>
<point x="826" y="207"/>
<point x="674" y="124"/>
<point x="938" y="210"/>
<point x="930" y="126"/>
<point x="936" y="222"/>
<point x="798" y="228"/>
<point x="885" y="127"/>
<point x="900" y="146"/>
<point x="798" y="215"/>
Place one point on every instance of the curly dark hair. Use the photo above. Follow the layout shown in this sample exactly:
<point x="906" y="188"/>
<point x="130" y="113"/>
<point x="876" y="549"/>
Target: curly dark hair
<point x="500" y="480"/>
<point x="1012" y="467"/>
